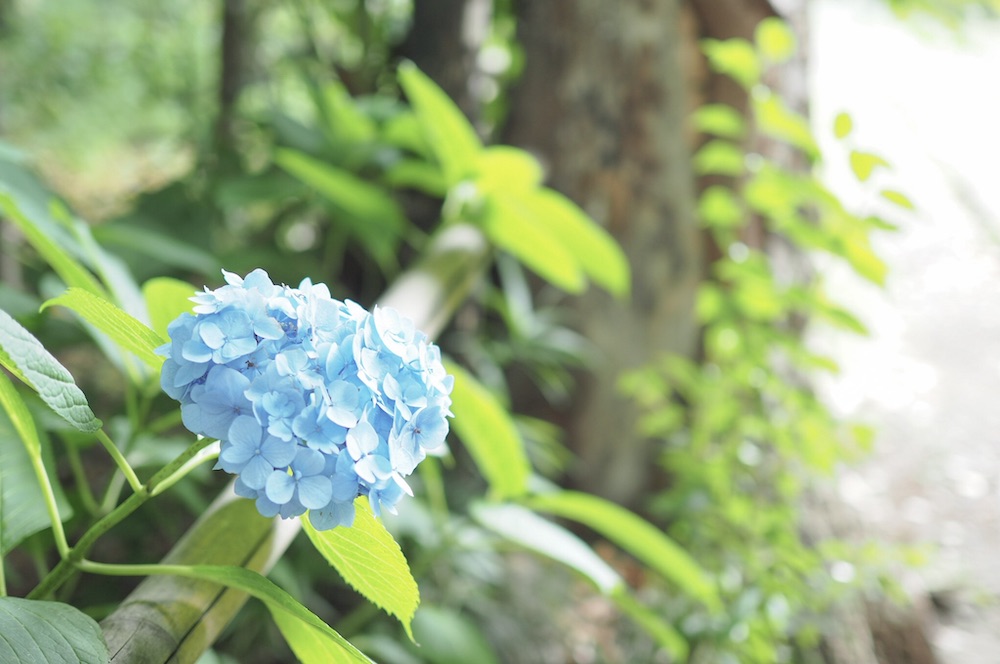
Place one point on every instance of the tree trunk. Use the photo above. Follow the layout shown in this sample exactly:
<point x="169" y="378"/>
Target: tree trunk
<point x="602" y="102"/>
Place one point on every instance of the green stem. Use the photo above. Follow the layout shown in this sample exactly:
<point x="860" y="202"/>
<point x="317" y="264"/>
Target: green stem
<point x="80" y="478"/>
<point x="72" y="557"/>
<point x="50" y="505"/>
<point x="114" y="569"/>
<point x="203" y="455"/>
<point x="109" y="445"/>
<point x="3" y="580"/>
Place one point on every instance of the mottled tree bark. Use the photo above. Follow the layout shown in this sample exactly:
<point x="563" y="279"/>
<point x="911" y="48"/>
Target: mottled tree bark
<point x="602" y="102"/>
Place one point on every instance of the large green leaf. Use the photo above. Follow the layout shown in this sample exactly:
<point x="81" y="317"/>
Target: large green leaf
<point x="124" y="330"/>
<point x="166" y="299"/>
<point x="526" y="528"/>
<point x="664" y="633"/>
<point x="68" y="269"/>
<point x="511" y="227"/>
<point x="449" y="134"/>
<point x="502" y="169"/>
<point x="313" y="641"/>
<point x="28" y="359"/>
<point x="42" y="632"/>
<point x="489" y="435"/>
<point x="595" y="251"/>
<point x="371" y="561"/>
<point x="22" y="505"/>
<point x="636" y="536"/>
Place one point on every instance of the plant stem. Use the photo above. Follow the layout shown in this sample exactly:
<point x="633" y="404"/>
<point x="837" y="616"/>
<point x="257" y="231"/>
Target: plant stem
<point x="123" y="465"/>
<point x="71" y="558"/>
<point x="50" y="505"/>
<point x="80" y="477"/>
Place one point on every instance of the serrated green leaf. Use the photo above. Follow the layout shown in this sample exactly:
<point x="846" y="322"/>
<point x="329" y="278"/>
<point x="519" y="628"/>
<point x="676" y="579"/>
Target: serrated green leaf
<point x="864" y="163"/>
<point x="596" y="252"/>
<point x="166" y="299"/>
<point x="449" y="134"/>
<point x="41" y="371"/>
<point x="720" y="120"/>
<point x="501" y="168"/>
<point x="320" y="643"/>
<point x="370" y="561"/>
<point x="898" y="198"/>
<point x="68" y="269"/>
<point x="775" y="40"/>
<point x="718" y="157"/>
<point x="489" y="434"/>
<point x="735" y="58"/>
<point x="123" y="329"/>
<point x="842" y="125"/>
<point x="509" y="228"/>
<point x="636" y="536"/>
<point x="42" y="632"/>
<point x="522" y="526"/>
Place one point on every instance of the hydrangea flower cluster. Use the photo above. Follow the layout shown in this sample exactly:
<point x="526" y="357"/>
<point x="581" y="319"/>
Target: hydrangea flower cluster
<point x="315" y="401"/>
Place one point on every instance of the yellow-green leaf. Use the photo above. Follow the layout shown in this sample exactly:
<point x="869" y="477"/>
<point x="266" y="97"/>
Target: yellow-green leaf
<point x="489" y="435"/>
<point x="736" y="58"/>
<point x="775" y="40"/>
<point x="720" y="120"/>
<point x="512" y="228"/>
<point x="166" y="299"/>
<point x="501" y="169"/>
<point x="371" y="561"/>
<point x="596" y="252"/>
<point x="863" y="163"/>
<point x="842" y="125"/>
<point x="898" y="198"/>
<point x="123" y="329"/>
<point x="449" y="134"/>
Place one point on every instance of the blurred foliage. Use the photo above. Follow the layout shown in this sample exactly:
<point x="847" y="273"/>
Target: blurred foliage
<point x="745" y="438"/>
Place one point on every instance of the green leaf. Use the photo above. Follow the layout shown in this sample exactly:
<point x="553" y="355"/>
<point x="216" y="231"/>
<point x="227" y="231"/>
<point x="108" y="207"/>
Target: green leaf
<point x="511" y="228"/>
<point x="489" y="435"/>
<point x="775" y="40"/>
<point x="898" y="198"/>
<point x="24" y="355"/>
<point x="124" y="330"/>
<point x="596" y="252"/>
<point x="449" y="134"/>
<point x="842" y="125"/>
<point x="654" y="624"/>
<point x="718" y="207"/>
<point x="776" y="119"/>
<point x="370" y="560"/>
<point x="42" y="632"/>
<point x="166" y="299"/>
<point x="22" y="505"/>
<point x="736" y="58"/>
<point x="449" y="637"/>
<point x="312" y="640"/>
<point x="718" y="157"/>
<point x="864" y="163"/>
<point x="417" y="174"/>
<point x="70" y="271"/>
<point x="164" y="248"/>
<point x="502" y="169"/>
<point x="636" y="536"/>
<point x="720" y="120"/>
<point x="526" y="528"/>
<point x="368" y="210"/>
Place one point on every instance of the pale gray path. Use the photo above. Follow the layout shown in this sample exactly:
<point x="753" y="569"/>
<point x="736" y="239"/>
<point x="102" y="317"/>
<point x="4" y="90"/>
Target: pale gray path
<point x="929" y="377"/>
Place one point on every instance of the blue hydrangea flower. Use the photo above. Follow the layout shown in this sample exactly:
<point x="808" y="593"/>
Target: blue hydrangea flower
<point x="315" y="401"/>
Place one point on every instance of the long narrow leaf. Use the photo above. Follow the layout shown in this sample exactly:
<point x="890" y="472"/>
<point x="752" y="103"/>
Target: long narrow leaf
<point x="25" y="356"/>
<point x="124" y="330"/>
<point x="371" y="561"/>
<point x="70" y="271"/>
<point x="636" y="536"/>
<point x="489" y="435"/>
<point x="450" y="135"/>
